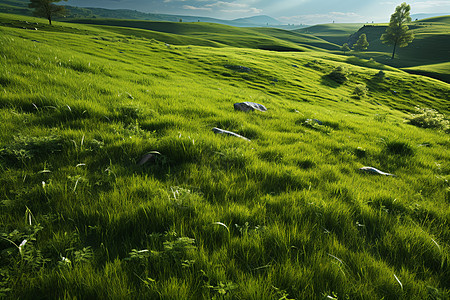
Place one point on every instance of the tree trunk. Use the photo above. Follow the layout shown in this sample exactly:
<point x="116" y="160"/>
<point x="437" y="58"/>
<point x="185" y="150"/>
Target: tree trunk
<point x="393" y="52"/>
<point x="49" y="20"/>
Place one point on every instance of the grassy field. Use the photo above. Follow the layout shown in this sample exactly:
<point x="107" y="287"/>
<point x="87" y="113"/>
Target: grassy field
<point x="205" y="33"/>
<point x="286" y="215"/>
<point x="427" y="54"/>
<point x="337" y="33"/>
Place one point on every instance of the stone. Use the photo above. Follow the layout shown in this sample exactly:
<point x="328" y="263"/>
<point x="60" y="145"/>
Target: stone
<point x="249" y="106"/>
<point x="230" y="133"/>
<point x="314" y="121"/>
<point x="238" y="68"/>
<point x="148" y="157"/>
<point x="375" y="171"/>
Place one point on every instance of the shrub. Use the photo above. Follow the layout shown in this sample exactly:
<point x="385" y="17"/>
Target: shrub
<point x="360" y="91"/>
<point x="380" y="75"/>
<point x="339" y="74"/>
<point x="429" y="118"/>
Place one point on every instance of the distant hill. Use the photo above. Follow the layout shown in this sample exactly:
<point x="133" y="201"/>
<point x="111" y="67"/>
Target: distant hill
<point x="92" y="12"/>
<point x="206" y="33"/>
<point x="440" y="19"/>
<point x="427" y="55"/>
<point x="337" y="33"/>
<point x="21" y="7"/>
<point x="259" y="20"/>
<point x="426" y="16"/>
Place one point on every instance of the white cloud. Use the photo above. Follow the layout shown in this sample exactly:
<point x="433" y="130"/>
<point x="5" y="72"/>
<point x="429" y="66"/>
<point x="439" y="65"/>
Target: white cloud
<point x="340" y="17"/>
<point x="252" y="10"/>
<point x="227" y="4"/>
<point x="224" y="7"/>
<point x="430" y="4"/>
<point x="190" y="7"/>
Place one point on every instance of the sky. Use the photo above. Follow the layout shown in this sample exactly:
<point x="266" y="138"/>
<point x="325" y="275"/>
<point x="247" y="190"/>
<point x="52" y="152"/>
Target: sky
<point x="287" y="11"/>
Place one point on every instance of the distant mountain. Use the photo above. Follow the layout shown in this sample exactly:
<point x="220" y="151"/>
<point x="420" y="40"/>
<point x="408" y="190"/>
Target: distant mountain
<point x="426" y="16"/>
<point x="20" y="7"/>
<point x="262" y="20"/>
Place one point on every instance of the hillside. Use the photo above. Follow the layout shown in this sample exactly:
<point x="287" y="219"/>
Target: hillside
<point x="430" y="46"/>
<point x="73" y="12"/>
<point x="259" y="21"/>
<point x="222" y="34"/>
<point x="438" y="19"/>
<point x="333" y="33"/>
<point x="113" y="184"/>
<point x="420" y="17"/>
<point x="305" y="40"/>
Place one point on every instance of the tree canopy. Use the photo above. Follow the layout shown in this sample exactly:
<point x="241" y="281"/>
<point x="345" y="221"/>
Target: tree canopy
<point x="345" y="48"/>
<point x="398" y="33"/>
<point x="361" y="43"/>
<point x="46" y="9"/>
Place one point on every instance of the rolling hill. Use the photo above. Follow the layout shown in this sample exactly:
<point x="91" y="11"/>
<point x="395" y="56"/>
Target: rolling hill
<point x="275" y="39"/>
<point x="115" y="185"/>
<point x="334" y="33"/>
<point x="21" y="7"/>
<point x="430" y="46"/>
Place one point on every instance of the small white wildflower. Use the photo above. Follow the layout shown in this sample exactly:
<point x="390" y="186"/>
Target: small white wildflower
<point x="21" y="246"/>
<point x="43" y="184"/>
<point x="65" y="260"/>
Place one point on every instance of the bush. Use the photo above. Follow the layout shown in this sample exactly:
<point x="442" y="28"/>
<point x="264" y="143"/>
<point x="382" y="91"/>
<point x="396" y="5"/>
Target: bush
<point x="339" y="74"/>
<point x="380" y="75"/>
<point x="429" y="118"/>
<point x="360" y="91"/>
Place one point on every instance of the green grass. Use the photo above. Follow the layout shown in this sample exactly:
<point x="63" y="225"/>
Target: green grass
<point x="440" y="71"/>
<point x="441" y="19"/>
<point x="426" y="55"/>
<point x="188" y="33"/>
<point x="81" y="104"/>
<point x="337" y="33"/>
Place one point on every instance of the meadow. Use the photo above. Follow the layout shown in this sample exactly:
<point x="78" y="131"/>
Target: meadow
<point x="286" y="215"/>
<point x="426" y="55"/>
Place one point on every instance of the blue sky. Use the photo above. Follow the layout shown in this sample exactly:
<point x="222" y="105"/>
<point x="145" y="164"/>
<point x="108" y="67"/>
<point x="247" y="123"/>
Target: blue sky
<point x="287" y="11"/>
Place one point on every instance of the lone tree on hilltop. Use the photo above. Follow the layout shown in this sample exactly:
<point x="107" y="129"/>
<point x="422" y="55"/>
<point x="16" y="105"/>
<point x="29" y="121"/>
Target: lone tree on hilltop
<point x="397" y="33"/>
<point x="46" y="9"/>
<point x="361" y="43"/>
<point x="345" y="48"/>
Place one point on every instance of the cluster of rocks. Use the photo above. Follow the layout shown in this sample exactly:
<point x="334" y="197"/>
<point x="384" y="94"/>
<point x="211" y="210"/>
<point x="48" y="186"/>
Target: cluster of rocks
<point x="245" y="107"/>
<point x="248" y="107"/>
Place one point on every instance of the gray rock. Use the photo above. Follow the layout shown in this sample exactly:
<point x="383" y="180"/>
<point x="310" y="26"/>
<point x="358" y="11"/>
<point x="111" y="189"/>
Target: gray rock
<point x="148" y="157"/>
<point x="375" y="171"/>
<point x="230" y="133"/>
<point x="314" y="121"/>
<point x="239" y="68"/>
<point x="249" y="106"/>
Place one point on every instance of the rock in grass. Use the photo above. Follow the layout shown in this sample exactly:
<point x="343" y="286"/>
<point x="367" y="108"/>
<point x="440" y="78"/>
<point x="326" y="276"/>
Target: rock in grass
<point x="230" y="133"/>
<point x="148" y="156"/>
<point x="375" y="171"/>
<point x="314" y="121"/>
<point x="238" y="68"/>
<point x="249" y="106"/>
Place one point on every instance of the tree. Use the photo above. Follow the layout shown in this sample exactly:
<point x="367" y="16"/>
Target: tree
<point x="397" y="33"/>
<point x="361" y="43"/>
<point x="46" y="9"/>
<point x="345" y="48"/>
